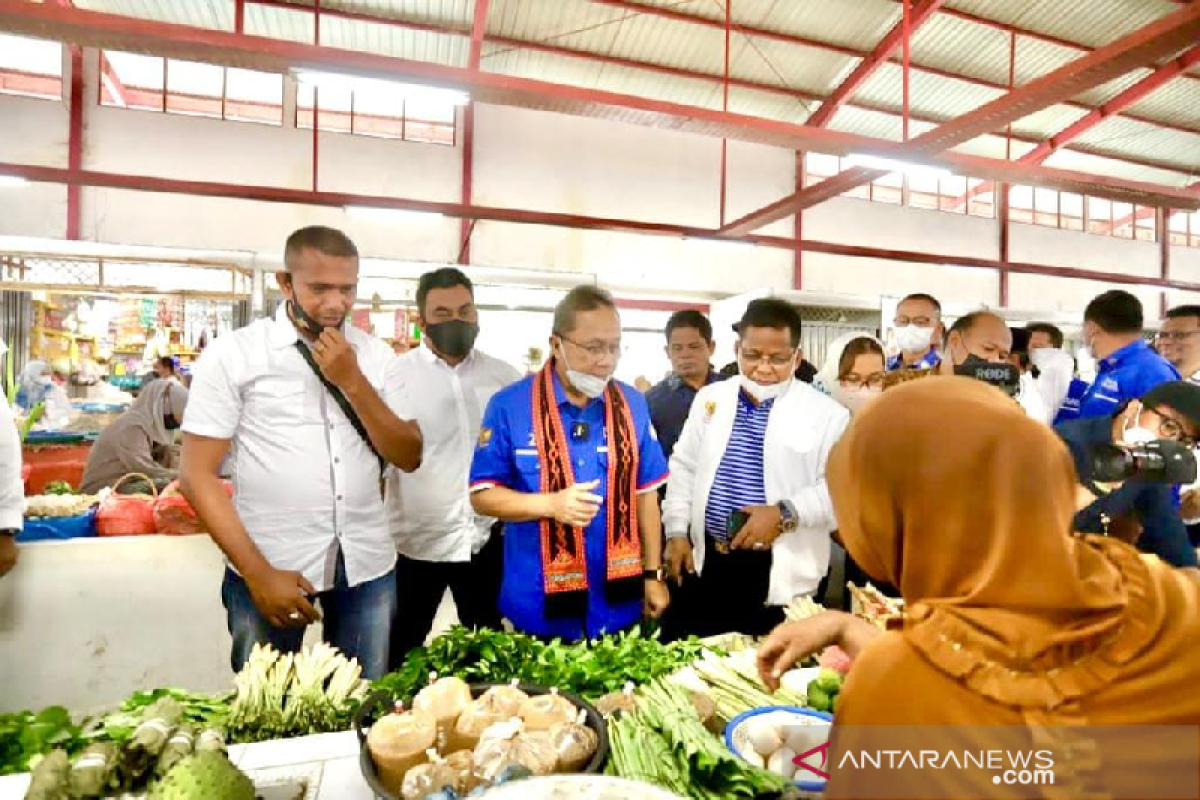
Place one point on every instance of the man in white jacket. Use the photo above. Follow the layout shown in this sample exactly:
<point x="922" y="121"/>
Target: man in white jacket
<point x="747" y="513"/>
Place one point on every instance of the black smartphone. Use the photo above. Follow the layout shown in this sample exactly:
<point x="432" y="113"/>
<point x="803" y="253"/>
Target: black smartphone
<point x="737" y="520"/>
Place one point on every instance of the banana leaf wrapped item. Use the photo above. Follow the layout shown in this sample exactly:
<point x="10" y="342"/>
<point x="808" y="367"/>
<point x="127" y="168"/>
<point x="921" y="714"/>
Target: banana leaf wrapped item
<point x="149" y="739"/>
<point x="178" y="747"/>
<point x="93" y="773"/>
<point x="49" y="780"/>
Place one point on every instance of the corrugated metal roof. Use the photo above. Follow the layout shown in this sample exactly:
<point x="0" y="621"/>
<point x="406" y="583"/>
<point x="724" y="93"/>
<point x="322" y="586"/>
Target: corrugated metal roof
<point x="804" y="68"/>
<point x="390" y="40"/>
<point x="199" y="13"/>
<point x="1107" y="91"/>
<point x="1091" y="23"/>
<point x="1098" y="165"/>
<point x="874" y="123"/>
<point x="929" y="95"/>
<point x="850" y="23"/>
<point x="1176" y="102"/>
<point x="1048" y="121"/>
<point x="963" y="47"/>
<point x="280" y="23"/>
<point x="1123" y="136"/>
<point x="458" y="13"/>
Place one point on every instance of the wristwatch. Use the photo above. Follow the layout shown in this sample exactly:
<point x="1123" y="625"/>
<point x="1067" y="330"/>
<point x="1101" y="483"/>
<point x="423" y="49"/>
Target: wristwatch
<point x="787" y="519"/>
<point x="659" y="574"/>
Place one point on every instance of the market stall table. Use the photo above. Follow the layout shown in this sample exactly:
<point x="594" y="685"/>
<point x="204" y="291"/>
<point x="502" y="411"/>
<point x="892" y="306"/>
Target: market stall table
<point x="55" y="456"/>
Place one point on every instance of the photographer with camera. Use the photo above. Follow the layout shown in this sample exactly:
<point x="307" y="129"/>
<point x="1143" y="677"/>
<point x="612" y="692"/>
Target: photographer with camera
<point x="1128" y="466"/>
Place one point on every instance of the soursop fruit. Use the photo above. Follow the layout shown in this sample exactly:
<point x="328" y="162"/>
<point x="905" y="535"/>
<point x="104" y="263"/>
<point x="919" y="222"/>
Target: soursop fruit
<point x="203" y="776"/>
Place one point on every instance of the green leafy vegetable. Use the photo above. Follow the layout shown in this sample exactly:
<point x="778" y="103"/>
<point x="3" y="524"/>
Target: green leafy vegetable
<point x="25" y="736"/>
<point x="590" y="668"/>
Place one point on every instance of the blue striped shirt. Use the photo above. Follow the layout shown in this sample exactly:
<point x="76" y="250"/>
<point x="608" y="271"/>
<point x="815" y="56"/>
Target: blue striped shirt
<point x="739" y="479"/>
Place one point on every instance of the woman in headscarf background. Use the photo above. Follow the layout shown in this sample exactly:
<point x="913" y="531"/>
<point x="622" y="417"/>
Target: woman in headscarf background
<point x="853" y="371"/>
<point x="853" y="374"/>
<point x="1010" y="619"/>
<point x="140" y="440"/>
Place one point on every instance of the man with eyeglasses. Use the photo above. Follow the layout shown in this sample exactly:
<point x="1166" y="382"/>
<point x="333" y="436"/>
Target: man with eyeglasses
<point x="748" y="515"/>
<point x="918" y="330"/>
<point x="1139" y="511"/>
<point x="568" y="459"/>
<point x="1179" y="341"/>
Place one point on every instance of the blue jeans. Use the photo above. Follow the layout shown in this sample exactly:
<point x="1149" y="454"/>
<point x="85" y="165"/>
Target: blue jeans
<point x="358" y="620"/>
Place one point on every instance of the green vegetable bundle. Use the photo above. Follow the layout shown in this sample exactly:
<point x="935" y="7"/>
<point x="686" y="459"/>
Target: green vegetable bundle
<point x="665" y="743"/>
<point x="588" y="668"/>
<point x="200" y="710"/>
<point x="26" y="736"/>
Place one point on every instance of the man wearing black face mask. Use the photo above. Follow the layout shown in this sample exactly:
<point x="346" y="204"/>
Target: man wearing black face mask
<point x="442" y="543"/>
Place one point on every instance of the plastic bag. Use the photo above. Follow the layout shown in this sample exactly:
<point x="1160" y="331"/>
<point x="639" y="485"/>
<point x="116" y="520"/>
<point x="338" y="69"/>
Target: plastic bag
<point x="505" y="698"/>
<point x="508" y="744"/>
<point x="127" y="514"/>
<point x="547" y="710"/>
<point x="498" y="704"/>
<point x="444" y="699"/>
<point x="425" y="779"/>
<point x="466" y="779"/>
<point x="399" y="742"/>
<point x="574" y="743"/>
<point x="173" y="514"/>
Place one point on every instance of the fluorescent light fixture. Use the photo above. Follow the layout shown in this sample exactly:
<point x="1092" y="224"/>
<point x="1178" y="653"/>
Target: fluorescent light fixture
<point x="731" y="243"/>
<point x="382" y="214"/>
<point x="380" y="87"/>
<point x="893" y="165"/>
<point x="12" y="181"/>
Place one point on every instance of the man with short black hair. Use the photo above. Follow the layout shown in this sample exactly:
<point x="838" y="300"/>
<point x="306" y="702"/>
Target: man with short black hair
<point x="1128" y="367"/>
<point x="747" y="508"/>
<point x="919" y="330"/>
<point x="568" y="459"/>
<point x="1043" y="334"/>
<point x="298" y="401"/>
<point x="690" y="348"/>
<point x="444" y="386"/>
<point x="1179" y="341"/>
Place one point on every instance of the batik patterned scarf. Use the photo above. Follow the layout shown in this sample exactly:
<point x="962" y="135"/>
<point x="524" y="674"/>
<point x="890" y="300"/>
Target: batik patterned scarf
<point x="564" y="559"/>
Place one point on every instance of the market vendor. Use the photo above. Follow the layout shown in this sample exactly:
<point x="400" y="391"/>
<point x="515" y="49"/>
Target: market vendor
<point x="41" y="384"/>
<point x="568" y="459"/>
<point x="1026" y="625"/>
<point x="139" y="441"/>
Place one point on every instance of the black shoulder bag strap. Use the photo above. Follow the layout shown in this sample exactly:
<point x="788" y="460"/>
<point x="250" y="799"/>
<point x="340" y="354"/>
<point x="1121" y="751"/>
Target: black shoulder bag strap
<point x="343" y="404"/>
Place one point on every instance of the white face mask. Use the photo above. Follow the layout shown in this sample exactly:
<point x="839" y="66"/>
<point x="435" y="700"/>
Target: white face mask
<point x="762" y="393"/>
<point x="1042" y="357"/>
<point x="1134" y="434"/>
<point x="587" y="385"/>
<point x="855" y="399"/>
<point x="913" y="339"/>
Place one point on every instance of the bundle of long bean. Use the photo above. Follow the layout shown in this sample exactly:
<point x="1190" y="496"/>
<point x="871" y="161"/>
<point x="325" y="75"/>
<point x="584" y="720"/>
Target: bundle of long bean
<point x="735" y="691"/>
<point x="640" y="752"/>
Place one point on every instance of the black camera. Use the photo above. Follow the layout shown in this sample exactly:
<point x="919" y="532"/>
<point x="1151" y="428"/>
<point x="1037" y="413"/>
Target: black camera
<point x="1162" y="461"/>
<point x="1004" y="377"/>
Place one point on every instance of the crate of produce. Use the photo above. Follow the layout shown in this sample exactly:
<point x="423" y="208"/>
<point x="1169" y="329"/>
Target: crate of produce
<point x="48" y="529"/>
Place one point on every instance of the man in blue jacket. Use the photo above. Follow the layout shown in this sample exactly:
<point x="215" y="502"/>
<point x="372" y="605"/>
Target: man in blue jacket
<point x="1137" y="509"/>
<point x="1128" y="368"/>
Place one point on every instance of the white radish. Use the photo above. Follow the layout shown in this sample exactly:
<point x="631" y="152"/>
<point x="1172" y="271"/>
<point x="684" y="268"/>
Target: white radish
<point x="754" y="759"/>
<point x="786" y="768"/>
<point x="801" y="738"/>
<point x="764" y="736"/>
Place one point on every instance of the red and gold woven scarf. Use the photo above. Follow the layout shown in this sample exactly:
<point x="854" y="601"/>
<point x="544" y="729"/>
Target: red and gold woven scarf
<point x="564" y="559"/>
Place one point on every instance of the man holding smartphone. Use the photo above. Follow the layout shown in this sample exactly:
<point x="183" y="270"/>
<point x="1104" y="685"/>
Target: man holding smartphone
<point x="298" y="402"/>
<point x="747" y="515"/>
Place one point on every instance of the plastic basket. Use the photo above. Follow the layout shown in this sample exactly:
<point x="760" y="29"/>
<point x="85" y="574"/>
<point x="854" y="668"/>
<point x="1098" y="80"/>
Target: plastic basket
<point x="735" y="734"/>
<point x="49" y="529"/>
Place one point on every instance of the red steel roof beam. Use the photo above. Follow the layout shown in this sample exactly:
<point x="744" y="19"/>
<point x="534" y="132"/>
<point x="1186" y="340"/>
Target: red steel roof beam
<point x="478" y="31"/>
<point x="923" y="11"/>
<point x="95" y="29"/>
<point x="1134" y="94"/>
<point x="1163" y="37"/>
<point x="1143" y="212"/>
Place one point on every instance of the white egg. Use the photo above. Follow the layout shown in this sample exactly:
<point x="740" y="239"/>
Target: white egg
<point x="754" y="759"/>
<point x="764" y="736"/>
<point x="801" y="738"/>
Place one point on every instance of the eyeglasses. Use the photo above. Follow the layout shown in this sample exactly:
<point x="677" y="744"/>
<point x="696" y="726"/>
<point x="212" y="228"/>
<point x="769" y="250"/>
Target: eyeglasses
<point x="597" y="350"/>
<point x="853" y="381"/>
<point x="1172" y="429"/>
<point x="1176" y="336"/>
<point x="776" y="360"/>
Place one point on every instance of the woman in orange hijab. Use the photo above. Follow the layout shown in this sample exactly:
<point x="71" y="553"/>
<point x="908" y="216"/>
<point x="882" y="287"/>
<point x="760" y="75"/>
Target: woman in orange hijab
<point x="947" y="490"/>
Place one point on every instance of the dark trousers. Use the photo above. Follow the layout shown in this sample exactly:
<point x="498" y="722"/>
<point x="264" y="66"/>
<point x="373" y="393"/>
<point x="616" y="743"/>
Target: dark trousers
<point x="729" y="596"/>
<point x="421" y="585"/>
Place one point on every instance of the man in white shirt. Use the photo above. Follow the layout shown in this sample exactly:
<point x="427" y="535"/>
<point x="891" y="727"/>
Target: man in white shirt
<point x="444" y="386"/>
<point x="307" y="521"/>
<point x="747" y="508"/>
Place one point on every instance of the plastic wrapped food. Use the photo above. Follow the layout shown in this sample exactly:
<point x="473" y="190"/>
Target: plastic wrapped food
<point x="574" y="744"/>
<point x="466" y="780"/>
<point x="444" y="699"/>
<point x="398" y="742"/>
<point x="425" y="779"/>
<point x="505" y="698"/>
<point x="623" y="701"/>
<point x="477" y="718"/>
<point x="547" y="710"/>
<point x="93" y="771"/>
<point x="509" y="744"/>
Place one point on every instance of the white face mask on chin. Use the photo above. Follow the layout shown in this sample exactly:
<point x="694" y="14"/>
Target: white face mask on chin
<point x="1134" y="434"/>
<point x="590" y="386"/>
